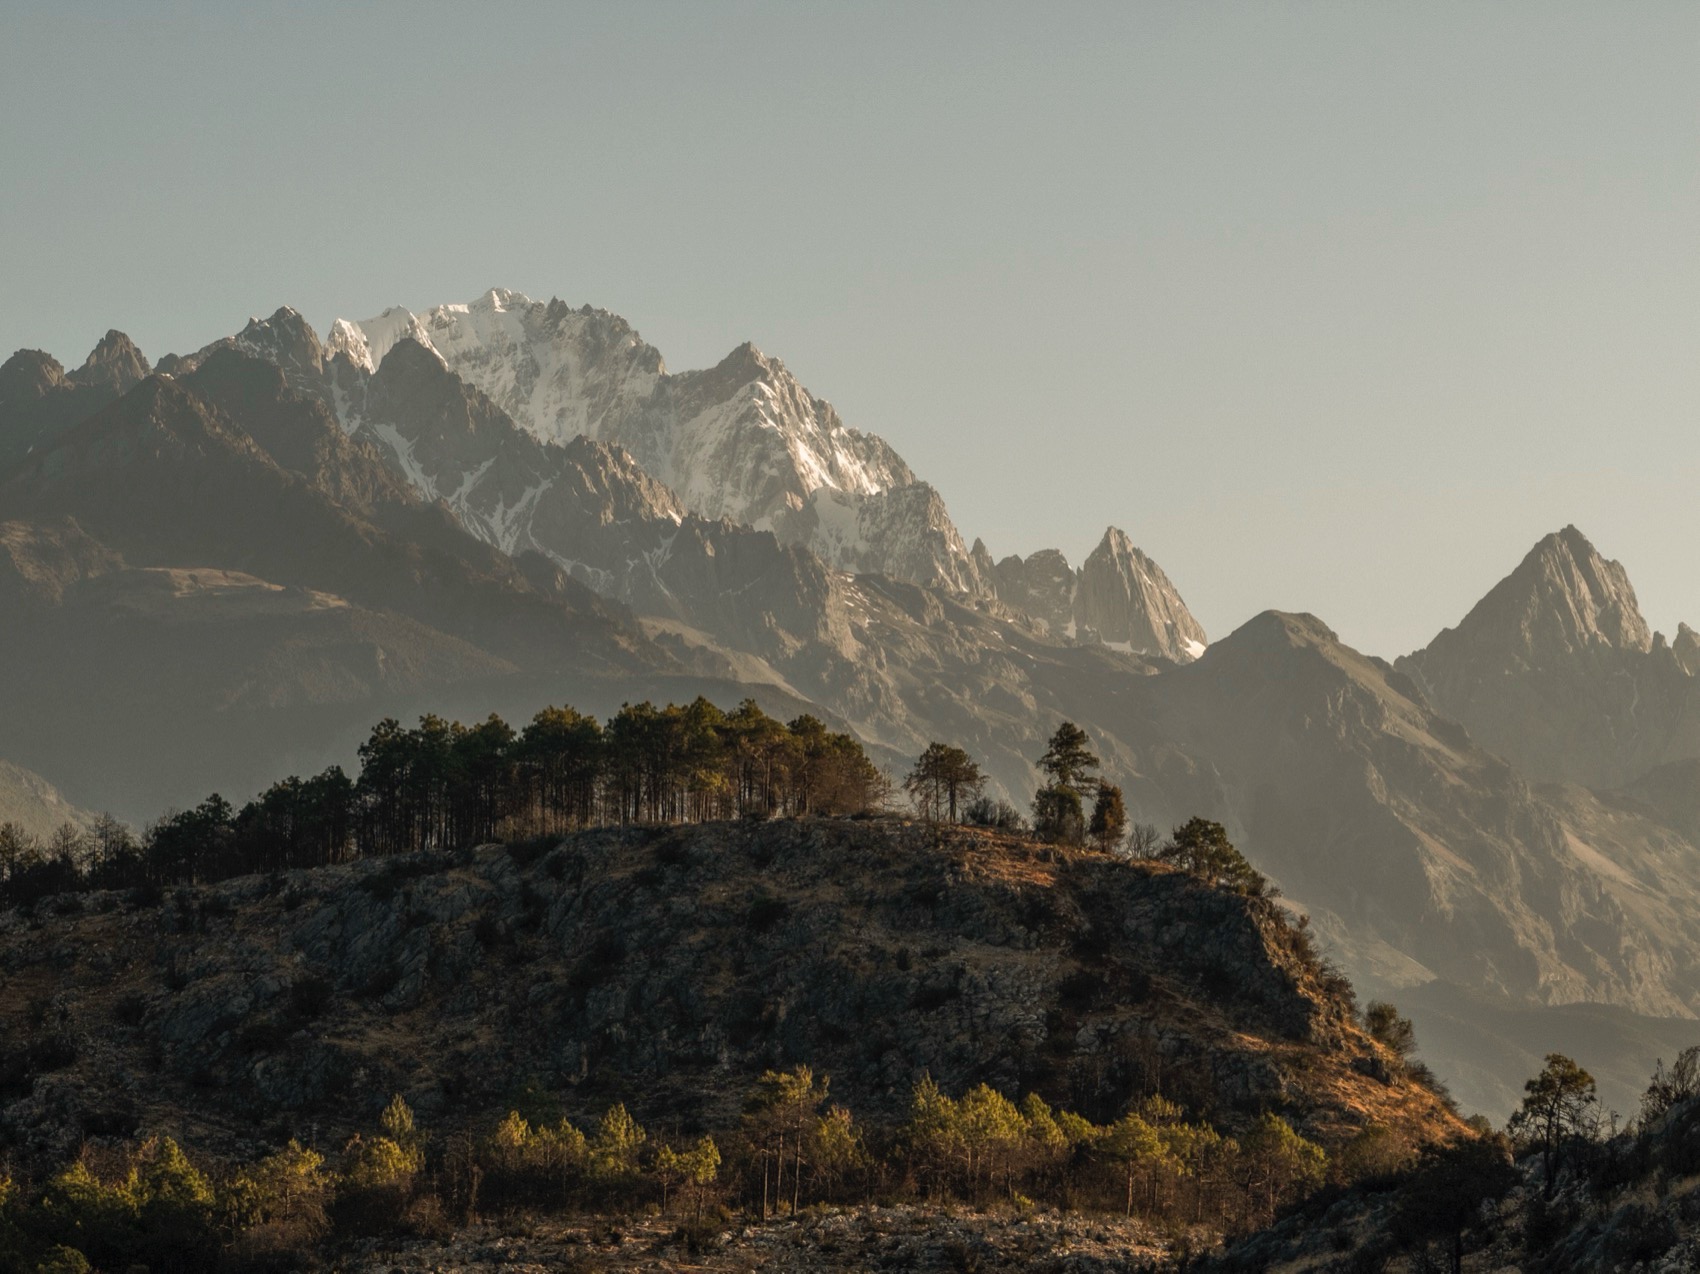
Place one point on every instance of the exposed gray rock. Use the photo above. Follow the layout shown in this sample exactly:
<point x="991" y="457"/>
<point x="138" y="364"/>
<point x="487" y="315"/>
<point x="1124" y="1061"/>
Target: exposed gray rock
<point x="1556" y="670"/>
<point x="1120" y="597"/>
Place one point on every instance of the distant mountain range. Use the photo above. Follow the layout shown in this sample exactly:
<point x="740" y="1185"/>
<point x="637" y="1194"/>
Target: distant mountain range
<point x="224" y="568"/>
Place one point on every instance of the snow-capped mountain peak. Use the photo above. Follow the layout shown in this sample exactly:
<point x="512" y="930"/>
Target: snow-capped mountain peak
<point x="743" y="439"/>
<point x="365" y="344"/>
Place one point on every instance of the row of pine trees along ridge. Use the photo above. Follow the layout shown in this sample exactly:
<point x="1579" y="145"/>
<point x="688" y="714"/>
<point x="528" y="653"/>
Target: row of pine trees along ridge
<point x="443" y="785"/>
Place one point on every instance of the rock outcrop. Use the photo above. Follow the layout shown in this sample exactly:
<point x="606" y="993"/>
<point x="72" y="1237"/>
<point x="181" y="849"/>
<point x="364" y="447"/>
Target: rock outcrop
<point x="1119" y="597"/>
<point x="1127" y="600"/>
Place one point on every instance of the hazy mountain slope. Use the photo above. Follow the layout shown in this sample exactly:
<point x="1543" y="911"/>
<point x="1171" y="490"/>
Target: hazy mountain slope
<point x="31" y="803"/>
<point x="1556" y="670"/>
<point x="1486" y="1046"/>
<point x="1370" y="807"/>
<point x="165" y="478"/>
<point x="150" y="687"/>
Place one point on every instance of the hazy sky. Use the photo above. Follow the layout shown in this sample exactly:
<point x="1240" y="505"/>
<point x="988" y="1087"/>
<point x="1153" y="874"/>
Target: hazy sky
<point x="1332" y="307"/>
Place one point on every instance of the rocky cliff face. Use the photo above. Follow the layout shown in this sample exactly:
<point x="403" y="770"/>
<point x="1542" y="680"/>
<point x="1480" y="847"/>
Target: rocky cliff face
<point x="1042" y="586"/>
<point x="903" y="532"/>
<point x="1119" y="597"/>
<point x="742" y="440"/>
<point x="1556" y="670"/>
<point x="668" y="969"/>
<point x="1127" y="600"/>
<point x="508" y="488"/>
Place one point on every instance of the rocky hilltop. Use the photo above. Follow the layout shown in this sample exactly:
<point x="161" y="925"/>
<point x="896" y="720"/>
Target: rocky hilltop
<point x="667" y="968"/>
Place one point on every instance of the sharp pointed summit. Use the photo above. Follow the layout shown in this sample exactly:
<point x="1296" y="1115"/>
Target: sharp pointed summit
<point x="115" y="364"/>
<point x="1564" y="598"/>
<point x="1556" y="669"/>
<point x="1119" y="597"/>
<point x="1127" y="599"/>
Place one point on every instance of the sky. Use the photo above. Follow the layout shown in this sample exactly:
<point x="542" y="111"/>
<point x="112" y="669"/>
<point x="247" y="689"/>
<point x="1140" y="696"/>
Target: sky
<point x="1332" y="307"/>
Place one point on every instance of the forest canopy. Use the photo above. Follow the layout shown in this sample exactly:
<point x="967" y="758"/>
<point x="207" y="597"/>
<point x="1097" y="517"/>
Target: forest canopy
<point x="442" y="784"/>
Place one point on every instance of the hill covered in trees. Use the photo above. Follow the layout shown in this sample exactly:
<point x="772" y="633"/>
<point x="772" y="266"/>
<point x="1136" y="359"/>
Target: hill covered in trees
<point x="998" y="1019"/>
<point x="443" y="784"/>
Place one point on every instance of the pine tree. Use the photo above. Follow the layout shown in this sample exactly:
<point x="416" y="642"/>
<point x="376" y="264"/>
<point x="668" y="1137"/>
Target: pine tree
<point x="1069" y="759"/>
<point x="1557" y="1110"/>
<point x="1202" y="847"/>
<point x="944" y="779"/>
<point x="1109" y="817"/>
<point x="1058" y="812"/>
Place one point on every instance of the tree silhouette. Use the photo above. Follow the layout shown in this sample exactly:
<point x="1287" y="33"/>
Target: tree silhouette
<point x="1202" y="847"/>
<point x="1557" y="1111"/>
<point x="944" y="779"/>
<point x="1109" y="817"/>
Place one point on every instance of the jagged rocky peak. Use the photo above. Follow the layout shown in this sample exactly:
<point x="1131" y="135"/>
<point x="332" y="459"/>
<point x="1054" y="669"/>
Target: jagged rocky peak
<point x="557" y="371"/>
<point x="1556" y="670"/>
<point x="286" y="339"/>
<point x="1042" y="585"/>
<point x="38" y="400"/>
<point x="365" y="344"/>
<point x="1119" y="597"/>
<point x="114" y="364"/>
<point x="113" y="367"/>
<point x="409" y="358"/>
<point x="743" y="439"/>
<point x="1130" y="603"/>
<point x="1563" y="600"/>
<point x="1686" y="648"/>
<point x="624" y="490"/>
<point x="28" y="375"/>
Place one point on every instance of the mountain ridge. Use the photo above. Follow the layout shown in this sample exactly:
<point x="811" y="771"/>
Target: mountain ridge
<point x="1556" y="669"/>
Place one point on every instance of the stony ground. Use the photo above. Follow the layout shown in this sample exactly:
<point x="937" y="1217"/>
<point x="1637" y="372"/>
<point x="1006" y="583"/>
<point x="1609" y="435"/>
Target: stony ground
<point x="832" y="1239"/>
